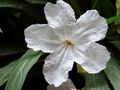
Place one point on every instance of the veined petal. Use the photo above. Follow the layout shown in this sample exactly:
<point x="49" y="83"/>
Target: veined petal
<point x="68" y="85"/>
<point x="59" y="14"/>
<point x="57" y="65"/>
<point x="41" y="37"/>
<point x="90" y="27"/>
<point x="94" y="59"/>
<point x="65" y="32"/>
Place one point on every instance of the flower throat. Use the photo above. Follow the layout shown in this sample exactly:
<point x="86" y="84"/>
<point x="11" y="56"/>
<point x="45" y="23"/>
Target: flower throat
<point x="68" y="43"/>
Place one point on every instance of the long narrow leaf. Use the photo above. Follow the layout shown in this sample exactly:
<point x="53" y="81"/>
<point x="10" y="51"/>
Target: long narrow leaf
<point x="113" y="73"/>
<point x="21" y="69"/>
<point x="37" y="1"/>
<point x="12" y="4"/>
<point x="96" y="82"/>
<point x="6" y="71"/>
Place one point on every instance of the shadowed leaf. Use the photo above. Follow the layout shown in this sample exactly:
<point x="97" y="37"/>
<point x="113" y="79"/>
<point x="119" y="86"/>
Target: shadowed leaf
<point x="21" y="69"/>
<point x="96" y="82"/>
<point x="6" y="71"/>
<point x="113" y="73"/>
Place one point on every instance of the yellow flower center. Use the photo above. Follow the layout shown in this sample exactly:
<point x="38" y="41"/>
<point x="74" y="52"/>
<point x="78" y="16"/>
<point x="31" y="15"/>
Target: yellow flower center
<point x="68" y="43"/>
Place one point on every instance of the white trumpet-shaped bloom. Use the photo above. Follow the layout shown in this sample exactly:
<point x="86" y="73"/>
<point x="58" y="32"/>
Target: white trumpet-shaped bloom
<point x="69" y="40"/>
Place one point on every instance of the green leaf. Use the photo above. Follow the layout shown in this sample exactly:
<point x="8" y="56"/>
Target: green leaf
<point x="12" y="3"/>
<point x="21" y="69"/>
<point x="37" y="1"/>
<point x="6" y="71"/>
<point x="113" y="73"/>
<point x="113" y="19"/>
<point x="96" y="82"/>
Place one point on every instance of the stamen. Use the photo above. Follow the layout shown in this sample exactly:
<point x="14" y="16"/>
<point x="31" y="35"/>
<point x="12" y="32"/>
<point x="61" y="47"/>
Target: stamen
<point x="68" y="43"/>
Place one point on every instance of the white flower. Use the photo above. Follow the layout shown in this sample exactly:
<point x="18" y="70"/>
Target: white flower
<point x="69" y="40"/>
<point x="68" y="85"/>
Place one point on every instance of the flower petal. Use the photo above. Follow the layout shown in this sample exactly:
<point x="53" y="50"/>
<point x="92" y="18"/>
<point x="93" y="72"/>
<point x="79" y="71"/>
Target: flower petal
<point x="91" y="26"/>
<point x="59" y="14"/>
<point x="65" y="32"/>
<point x="41" y="37"/>
<point x="68" y="85"/>
<point x="94" y="59"/>
<point x="57" y="65"/>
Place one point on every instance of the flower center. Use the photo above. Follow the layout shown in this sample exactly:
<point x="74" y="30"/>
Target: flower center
<point x="68" y="43"/>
